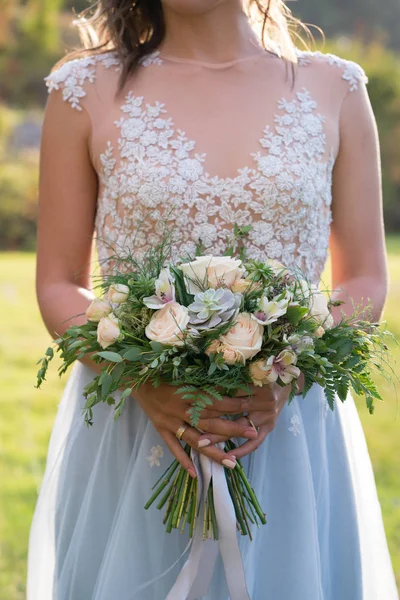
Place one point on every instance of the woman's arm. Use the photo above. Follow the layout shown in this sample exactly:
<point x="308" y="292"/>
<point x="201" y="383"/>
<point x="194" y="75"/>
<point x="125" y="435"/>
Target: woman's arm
<point x="67" y="195"/>
<point x="67" y="206"/>
<point x="357" y="244"/>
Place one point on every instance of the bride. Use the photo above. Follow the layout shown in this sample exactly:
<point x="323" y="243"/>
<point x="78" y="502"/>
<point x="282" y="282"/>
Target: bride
<point x="203" y="114"/>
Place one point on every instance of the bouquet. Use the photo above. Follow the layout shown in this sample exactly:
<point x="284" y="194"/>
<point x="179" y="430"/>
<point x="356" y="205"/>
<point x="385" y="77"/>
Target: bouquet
<point x="213" y="326"/>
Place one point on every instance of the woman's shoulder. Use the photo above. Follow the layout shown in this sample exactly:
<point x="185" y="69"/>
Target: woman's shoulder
<point x="74" y="76"/>
<point x="331" y="67"/>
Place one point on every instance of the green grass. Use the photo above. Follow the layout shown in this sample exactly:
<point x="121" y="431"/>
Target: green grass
<point x="26" y="418"/>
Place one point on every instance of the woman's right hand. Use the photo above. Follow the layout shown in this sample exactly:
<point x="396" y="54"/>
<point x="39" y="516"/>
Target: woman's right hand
<point x="168" y="411"/>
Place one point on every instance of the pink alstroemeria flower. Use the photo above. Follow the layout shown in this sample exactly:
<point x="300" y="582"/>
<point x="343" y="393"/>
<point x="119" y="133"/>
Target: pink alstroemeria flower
<point x="282" y="367"/>
<point x="165" y="291"/>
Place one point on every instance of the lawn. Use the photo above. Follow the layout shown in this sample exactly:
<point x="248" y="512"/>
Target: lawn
<point x="26" y="417"/>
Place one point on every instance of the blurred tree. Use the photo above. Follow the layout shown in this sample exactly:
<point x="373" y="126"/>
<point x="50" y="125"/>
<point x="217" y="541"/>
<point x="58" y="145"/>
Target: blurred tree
<point x="39" y="25"/>
<point x="383" y="70"/>
<point x="369" y="19"/>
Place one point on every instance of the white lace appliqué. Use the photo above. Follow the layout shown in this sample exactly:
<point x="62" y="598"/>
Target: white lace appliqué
<point x="153" y="175"/>
<point x="295" y="427"/>
<point x="75" y="73"/>
<point x="156" y="175"/>
<point x="352" y="72"/>
<point x="157" y="452"/>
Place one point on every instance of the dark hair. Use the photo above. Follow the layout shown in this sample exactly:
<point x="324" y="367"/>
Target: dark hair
<point x="136" y="28"/>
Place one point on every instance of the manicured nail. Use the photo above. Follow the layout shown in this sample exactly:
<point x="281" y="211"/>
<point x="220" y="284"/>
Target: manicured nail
<point x="192" y="473"/>
<point x="250" y="433"/>
<point x="230" y="464"/>
<point x="203" y="443"/>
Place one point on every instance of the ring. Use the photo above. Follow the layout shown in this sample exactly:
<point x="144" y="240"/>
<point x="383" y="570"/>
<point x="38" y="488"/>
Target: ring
<point x="181" y="431"/>
<point x="252" y="424"/>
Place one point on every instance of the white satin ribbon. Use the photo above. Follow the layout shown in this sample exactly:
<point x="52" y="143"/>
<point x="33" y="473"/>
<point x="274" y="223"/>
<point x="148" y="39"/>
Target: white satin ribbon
<point x="194" y="579"/>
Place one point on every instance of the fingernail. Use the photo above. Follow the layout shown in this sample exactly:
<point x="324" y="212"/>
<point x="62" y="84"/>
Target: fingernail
<point x="250" y="433"/>
<point x="192" y="473"/>
<point x="203" y="443"/>
<point x="230" y="464"/>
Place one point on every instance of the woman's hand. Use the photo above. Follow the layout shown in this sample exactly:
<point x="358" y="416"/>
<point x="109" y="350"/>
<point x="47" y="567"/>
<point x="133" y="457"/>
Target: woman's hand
<point x="168" y="411"/>
<point x="266" y="405"/>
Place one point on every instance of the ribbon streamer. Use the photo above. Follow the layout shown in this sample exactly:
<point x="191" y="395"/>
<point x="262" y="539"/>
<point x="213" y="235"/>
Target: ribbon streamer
<point x="195" y="577"/>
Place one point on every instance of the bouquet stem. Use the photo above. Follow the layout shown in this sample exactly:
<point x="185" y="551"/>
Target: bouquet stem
<point x="181" y="498"/>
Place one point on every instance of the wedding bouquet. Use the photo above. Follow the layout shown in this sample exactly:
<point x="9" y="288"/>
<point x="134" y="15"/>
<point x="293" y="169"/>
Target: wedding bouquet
<point x="213" y="326"/>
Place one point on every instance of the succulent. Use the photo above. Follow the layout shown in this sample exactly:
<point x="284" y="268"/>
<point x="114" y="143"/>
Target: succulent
<point x="213" y="307"/>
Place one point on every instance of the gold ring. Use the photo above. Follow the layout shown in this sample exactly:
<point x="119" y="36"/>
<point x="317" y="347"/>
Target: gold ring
<point x="181" y="431"/>
<point x="252" y="424"/>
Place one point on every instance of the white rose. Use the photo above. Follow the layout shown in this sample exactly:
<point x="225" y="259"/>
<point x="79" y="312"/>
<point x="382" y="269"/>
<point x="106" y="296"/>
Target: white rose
<point x="211" y="271"/>
<point x="108" y="331"/>
<point x="317" y="302"/>
<point x="118" y="293"/>
<point x="167" y="325"/>
<point x="319" y="308"/>
<point x="97" y="309"/>
<point x="244" y="337"/>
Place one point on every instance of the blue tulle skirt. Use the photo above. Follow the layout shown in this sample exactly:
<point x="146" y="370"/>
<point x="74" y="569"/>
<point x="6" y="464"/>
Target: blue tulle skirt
<point x="91" y="538"/>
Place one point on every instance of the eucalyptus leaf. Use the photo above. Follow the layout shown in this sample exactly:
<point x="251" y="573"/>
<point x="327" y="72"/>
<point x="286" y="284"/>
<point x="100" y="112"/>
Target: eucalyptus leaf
<point x="134" y="354"/>
<point x="157" y="347"/>
<point x="110" y="356"/>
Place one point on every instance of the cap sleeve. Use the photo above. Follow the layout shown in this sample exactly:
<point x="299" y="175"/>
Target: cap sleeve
<point x="352" y="72"/>
<point x="73" y="77"/>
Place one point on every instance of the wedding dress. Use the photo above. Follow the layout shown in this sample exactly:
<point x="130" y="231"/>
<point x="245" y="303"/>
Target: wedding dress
<point x="204" y="146"/>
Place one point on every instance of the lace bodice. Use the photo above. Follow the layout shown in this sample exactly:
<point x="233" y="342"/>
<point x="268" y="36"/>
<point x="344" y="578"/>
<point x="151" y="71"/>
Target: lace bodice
<point x="271" y="148"/>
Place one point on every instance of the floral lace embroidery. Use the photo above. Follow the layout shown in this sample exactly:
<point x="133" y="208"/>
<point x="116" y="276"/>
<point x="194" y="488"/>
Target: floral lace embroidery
<point x="352" y="72"/>
<point x="155" y="175"/>
<point x="295" y="428"/>
<point x="157" y="452"/>
<point x="75" y="73"/>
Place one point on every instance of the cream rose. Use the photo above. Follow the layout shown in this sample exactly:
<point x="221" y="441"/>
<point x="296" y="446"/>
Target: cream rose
<point x="167" y="324"/>
<point x="118" y="293"/>
<point x="108" y="331"/>
<point x="231" y="356"/>
<point x="319" y="332"/>
<point x="244" y="337"/>
<point x="97" y="309"/>
<point x="214" y="347"/>
<point x="211" y="271"/>
<point x="260" y="373"/>
<point x="242" y="285"/>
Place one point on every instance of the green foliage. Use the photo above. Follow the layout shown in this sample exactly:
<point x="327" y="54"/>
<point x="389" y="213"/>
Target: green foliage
<point x="18" y="184"/>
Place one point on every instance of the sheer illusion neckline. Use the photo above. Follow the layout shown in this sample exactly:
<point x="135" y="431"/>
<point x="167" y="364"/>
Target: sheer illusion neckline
<point x="214" y="65"/>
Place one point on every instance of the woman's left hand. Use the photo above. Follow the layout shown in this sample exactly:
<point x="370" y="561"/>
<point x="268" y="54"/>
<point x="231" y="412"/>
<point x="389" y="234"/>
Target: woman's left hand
<point x="266" y="405"/>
